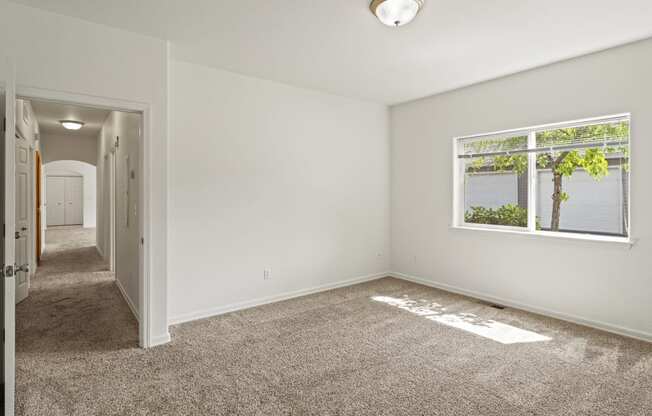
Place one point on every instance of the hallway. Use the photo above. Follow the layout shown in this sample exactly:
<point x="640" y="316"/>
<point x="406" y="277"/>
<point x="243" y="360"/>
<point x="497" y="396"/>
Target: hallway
<point x="74" y="308"/>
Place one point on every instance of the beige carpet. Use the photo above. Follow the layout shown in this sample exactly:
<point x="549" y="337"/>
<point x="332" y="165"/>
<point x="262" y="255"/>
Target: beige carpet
<point x="386" y="347"/>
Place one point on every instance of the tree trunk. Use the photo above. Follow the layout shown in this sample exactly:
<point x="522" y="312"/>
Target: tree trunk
<point x="556" y="201"/>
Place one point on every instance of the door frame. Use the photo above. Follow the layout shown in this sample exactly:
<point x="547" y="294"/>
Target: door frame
<point x="38" y="168"/>
<point x="9" y="298"/>
<point x="144" y="185"/>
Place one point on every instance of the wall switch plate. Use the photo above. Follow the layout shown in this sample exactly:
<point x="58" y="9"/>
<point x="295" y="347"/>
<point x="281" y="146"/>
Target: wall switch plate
<point x="267" y="274"/>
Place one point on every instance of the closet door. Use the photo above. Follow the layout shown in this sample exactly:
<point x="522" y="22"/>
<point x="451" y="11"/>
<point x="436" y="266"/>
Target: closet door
<point x="54" y="200"/>
<point x="73" y="200"/>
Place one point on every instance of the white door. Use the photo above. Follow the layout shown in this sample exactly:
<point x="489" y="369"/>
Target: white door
<point x="73" y="200"/>
<point x="23" y="218"/>
<point x="55" y="200"/>
<point x="7" y="193"/>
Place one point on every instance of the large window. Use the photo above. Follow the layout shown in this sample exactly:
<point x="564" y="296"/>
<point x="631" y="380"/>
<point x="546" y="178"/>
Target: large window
<point x="570" y="178"/>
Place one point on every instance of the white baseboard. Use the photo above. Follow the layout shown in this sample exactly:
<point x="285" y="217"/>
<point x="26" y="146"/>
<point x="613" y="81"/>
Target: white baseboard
<point x="160" y="340"/>
<point x="615" y="329"/>
<point x="128" y="300"/>
<point x="99" y="250"/>
<point x="220" y="310"/>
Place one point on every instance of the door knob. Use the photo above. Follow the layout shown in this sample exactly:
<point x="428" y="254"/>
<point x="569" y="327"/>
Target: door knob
<point x="21" y="268"/>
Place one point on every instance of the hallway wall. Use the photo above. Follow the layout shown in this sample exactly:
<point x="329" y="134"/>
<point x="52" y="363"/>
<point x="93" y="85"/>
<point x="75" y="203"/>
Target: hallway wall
<point x="69" y="147"/>
<point x="123" y="162"/>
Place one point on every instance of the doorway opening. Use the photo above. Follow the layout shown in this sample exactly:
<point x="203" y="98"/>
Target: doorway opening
<point x="78" y="227"/>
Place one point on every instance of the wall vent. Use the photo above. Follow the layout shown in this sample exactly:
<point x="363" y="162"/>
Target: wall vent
<point x="492" y="305"/>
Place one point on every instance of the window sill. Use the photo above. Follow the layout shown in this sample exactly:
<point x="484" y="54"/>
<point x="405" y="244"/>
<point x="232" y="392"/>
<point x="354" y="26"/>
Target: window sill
<point x="619" y="241"/>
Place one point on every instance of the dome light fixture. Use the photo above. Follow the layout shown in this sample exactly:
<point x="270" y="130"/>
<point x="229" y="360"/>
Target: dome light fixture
<point x="71" y="124"/>
<point x="395" y="12"/>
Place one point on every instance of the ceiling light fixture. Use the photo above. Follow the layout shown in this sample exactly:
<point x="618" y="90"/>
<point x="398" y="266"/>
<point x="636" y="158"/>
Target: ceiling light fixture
<point x="396" y="12"/>
<point x="71" y="124"/>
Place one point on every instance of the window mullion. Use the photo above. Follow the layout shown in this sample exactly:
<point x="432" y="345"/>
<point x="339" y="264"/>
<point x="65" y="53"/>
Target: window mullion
<point x="532" y="183"/>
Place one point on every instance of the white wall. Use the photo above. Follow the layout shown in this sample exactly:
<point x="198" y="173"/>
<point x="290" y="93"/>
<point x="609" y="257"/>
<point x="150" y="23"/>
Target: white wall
<point x="68" y="55"/>
<point x="123" y="160"/>
<point x="88" y="173"/>
<point x="69" y="147"/>
<point x="267" y="176"/>
<point x="598" y="282"/>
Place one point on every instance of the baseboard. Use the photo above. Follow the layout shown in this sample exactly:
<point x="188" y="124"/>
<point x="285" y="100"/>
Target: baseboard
<point x="128" y="300"/>
<point x="220" y="310"/>
<point x="615" y="329"/>
<point x="99" y="250"/>
<point x="160" y="340"/>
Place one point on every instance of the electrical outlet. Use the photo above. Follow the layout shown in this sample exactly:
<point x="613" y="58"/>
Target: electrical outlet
<point x="267" y="274"/>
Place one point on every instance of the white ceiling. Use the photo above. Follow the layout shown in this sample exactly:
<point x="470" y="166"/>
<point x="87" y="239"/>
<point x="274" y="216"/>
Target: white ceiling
<point x="338" y="46"/>
<point x="48" y="114"/>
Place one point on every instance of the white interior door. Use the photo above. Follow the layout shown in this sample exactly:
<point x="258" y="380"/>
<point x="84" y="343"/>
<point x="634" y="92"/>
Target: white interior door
<point x="23" y="218"/>
<point x="73" y="200"/>
<point x="7" y="193"/>
<point x="55" y="200"/>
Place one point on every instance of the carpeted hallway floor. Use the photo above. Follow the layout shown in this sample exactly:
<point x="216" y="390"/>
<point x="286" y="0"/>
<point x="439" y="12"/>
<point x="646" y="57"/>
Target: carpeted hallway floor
<point x="386" y="347"/>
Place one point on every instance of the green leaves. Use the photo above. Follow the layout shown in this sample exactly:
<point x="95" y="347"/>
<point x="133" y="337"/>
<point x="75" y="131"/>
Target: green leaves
<point x="496" y="144"/>
<point x="516" y="163"/>
<point x="544" y="160"/>
<point x="567" y="163"/>
<point x="509" y="214"/>
<point x="617" y="131"/>
<point x="595" y="163"/>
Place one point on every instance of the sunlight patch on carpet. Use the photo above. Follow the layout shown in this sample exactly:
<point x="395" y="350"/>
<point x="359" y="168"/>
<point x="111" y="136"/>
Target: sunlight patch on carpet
<point x="488" y="328"/>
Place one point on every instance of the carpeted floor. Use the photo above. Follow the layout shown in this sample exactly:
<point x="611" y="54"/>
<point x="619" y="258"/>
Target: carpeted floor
<point x="386" y="347"/>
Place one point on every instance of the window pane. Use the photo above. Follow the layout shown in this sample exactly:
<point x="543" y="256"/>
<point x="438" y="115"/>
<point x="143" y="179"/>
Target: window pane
<point x="584" y="189"/>
<point x="593" y="134"/>
<point x="495" y="186"/>
<point x="494" y="144"/>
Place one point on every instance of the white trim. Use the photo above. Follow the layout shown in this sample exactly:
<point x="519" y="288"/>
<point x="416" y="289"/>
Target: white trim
<point x="220" y="310"/>
<point x="99" y="250"/>
<point x="615" y="329"/>
<point x="491" y="227"/>
<point x="620" y="241"/>
<point x="9" y="301"/>
<point x="127" y="299"/>
<point x="145" y="214"/>
<point x="160" y="340"/>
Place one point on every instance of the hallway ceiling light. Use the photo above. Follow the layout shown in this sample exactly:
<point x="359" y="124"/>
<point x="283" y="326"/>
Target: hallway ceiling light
<point x="71" y="124"/>
<point x="396" y="12"/>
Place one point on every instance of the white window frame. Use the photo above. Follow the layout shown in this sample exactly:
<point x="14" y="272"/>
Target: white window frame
<point x="458" y="184"/>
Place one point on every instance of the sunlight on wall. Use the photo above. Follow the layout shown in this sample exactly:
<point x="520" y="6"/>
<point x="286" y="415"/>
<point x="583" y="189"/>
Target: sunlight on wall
<point x="488" y="328"/>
